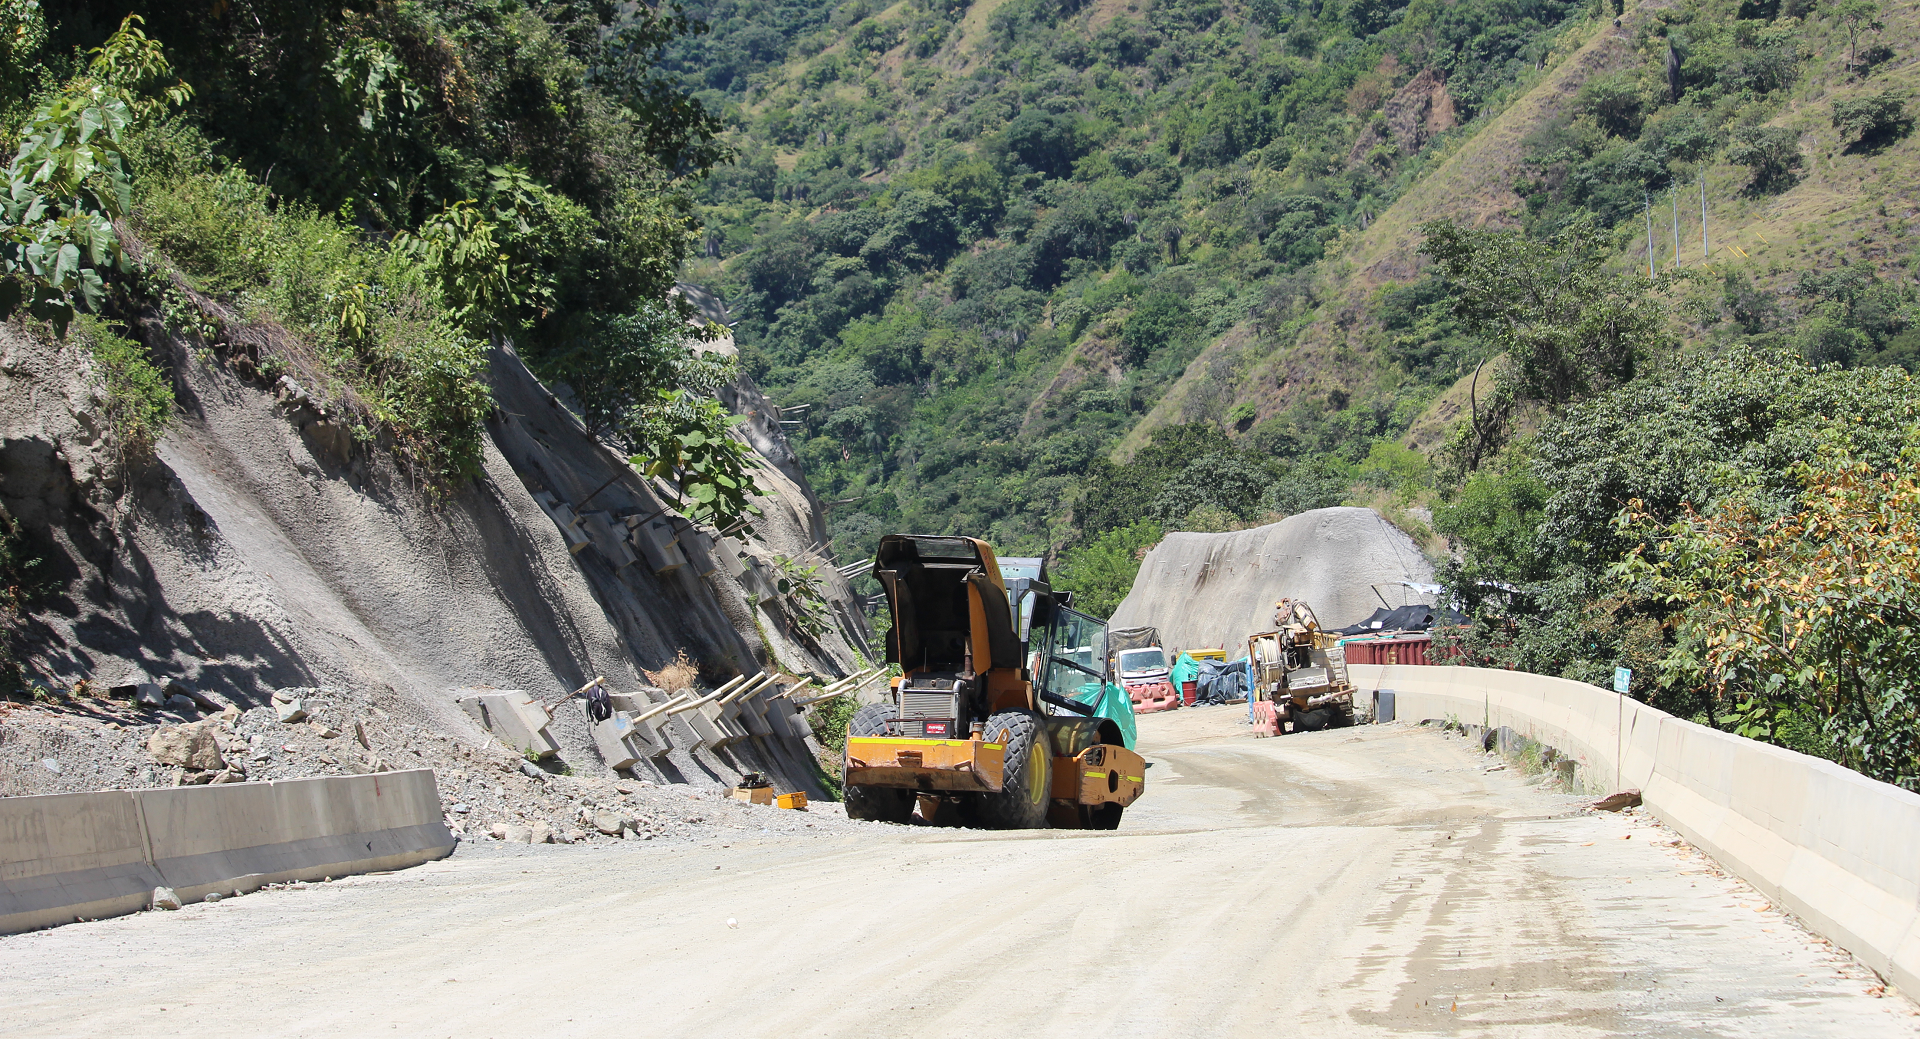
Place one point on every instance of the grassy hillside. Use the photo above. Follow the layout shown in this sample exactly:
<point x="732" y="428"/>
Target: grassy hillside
<point x="996" y="248"/>
<point x="983" y="243"/>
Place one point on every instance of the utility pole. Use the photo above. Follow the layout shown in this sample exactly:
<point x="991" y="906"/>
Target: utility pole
<point x="1705" y="249"/>
<point x="1648" y="199"/>
<point x="1673" y="195"/>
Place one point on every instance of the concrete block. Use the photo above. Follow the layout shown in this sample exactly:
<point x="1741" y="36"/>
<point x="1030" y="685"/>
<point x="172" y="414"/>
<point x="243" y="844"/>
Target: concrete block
<point x="657" y="541"/>
<point x="104" y="854"/>
<point x="611" y="545"/>
<point x="513" y="716"/>
<point x="698" y="548"/>
<point x="624" y="742"/>
<point x="562" y="515"/>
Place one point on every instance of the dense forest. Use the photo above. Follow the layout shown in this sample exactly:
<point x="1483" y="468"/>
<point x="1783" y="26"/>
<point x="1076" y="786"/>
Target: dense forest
<point x="1071" y="275"/>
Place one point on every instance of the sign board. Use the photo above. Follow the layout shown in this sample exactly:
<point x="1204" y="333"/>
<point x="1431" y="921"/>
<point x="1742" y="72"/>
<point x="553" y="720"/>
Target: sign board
<point x="1622" y="677"/>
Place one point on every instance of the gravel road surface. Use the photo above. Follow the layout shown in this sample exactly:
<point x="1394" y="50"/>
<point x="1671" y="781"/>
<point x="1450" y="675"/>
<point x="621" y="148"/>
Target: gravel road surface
<point x="1378" y="881"/>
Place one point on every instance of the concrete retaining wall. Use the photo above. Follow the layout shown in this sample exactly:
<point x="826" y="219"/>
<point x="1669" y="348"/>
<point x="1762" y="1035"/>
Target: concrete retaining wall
<point x="1839" y="850"/>
<point x="68" y="856"/>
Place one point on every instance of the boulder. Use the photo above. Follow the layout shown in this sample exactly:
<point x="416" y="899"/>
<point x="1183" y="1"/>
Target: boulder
<point x="164" y="898"/>
<point x="610" y="823"/>
<point x="540" y="833"/>
<point x="290" y="711"/>
<point x="195" y="745"/>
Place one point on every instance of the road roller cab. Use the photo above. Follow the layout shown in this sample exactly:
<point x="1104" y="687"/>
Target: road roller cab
<point x="988" y="725"/>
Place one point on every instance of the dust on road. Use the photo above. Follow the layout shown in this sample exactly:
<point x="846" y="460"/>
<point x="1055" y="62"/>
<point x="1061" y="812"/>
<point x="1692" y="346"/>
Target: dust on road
<point x="1362" y="882"/>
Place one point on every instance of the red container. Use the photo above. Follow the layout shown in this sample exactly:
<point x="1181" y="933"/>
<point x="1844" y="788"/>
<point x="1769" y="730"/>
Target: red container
<point x="1189" y="691"/>
<point x="1406" y="649"/>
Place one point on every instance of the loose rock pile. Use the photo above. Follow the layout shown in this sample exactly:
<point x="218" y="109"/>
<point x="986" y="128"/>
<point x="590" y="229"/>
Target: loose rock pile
<point x="488" y="793"/>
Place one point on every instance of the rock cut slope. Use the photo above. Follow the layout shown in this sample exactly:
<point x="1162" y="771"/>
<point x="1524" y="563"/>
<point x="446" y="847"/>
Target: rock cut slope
<point x="1216" y="589"/>
<point x="260" y="548"/>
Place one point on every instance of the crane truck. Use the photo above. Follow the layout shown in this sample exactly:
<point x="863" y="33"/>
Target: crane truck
<point x="988" y="720"/>
<point x="1299" y="673"/>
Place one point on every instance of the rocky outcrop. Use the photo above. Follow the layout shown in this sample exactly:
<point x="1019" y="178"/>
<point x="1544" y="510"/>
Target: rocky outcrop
<point x="1409" y="119"/>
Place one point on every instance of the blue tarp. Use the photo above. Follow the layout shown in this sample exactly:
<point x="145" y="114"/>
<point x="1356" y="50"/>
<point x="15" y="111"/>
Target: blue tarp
<point x="1222" y="681"/>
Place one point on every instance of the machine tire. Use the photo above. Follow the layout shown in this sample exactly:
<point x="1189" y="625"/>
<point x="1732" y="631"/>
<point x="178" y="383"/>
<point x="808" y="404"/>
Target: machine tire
<point x="871" y="720"/>
<point x="882" y="804"/>
<point x="1314" y="720"/>
<point x="1026" y="784"/>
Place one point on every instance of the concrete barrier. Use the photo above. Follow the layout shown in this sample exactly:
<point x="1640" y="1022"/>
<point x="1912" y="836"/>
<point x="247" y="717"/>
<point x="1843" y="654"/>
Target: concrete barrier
<point x="1837" y="849"/>
<point x="70" y="856"/>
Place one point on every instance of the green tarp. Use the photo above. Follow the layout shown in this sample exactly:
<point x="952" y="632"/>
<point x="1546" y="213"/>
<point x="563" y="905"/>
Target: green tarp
<point x="1185" y="669"/>
<point x="1111" y="702"/>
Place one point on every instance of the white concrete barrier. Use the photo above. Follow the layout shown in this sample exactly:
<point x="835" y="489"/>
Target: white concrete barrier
<point x="70" y="856"/>
<point x="1837" y="849"/>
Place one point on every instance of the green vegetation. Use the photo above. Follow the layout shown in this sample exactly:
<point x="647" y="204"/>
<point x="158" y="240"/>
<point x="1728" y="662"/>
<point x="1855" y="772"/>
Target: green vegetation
<point x="983" y="245"/>
<point x="396" y="187"/>
<point x="1806" y="624"/>
<point x="22" y="581"/>
<point x="1100" y="571"/>
<point x="139" y="395"/>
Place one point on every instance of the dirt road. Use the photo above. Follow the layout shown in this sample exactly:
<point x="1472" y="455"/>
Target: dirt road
<point x="1374" y="881"/>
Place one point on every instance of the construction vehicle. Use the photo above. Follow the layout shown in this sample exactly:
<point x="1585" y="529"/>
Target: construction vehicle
<point x="986" y="725"/>
<point x="1299" y="674"/>
<point x="1145" y="672"/>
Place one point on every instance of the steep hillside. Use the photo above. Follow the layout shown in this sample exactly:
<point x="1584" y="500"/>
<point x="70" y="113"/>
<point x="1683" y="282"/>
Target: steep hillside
<point x="978" y="243"/>
<point x="260" y="549"/>
<point x="986" y="246"/>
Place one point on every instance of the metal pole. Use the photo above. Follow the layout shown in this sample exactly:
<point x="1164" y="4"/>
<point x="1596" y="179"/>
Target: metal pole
<point x="1705" y="250"/>
<point x="1649" y="202"/>
<point x="1673" y="195"/>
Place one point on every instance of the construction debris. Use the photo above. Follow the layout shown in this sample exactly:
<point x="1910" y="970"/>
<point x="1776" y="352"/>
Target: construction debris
<point x="1617" y="802"/>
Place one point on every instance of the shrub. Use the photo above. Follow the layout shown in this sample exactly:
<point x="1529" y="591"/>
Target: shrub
<point x="139" y="395"/>
<point x="1871" y="122"/>
<point x="1771" y="152"/>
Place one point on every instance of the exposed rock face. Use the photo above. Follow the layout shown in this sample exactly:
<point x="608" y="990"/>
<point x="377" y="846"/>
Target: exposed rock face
<point x="1412" y="116"/>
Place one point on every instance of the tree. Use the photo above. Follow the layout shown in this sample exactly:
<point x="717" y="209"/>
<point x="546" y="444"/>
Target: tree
<point x="1614" y="102"/>
<point x="68" y="181"/>
<point x="1771" y="152"/>
<point x="1100" y="572"/>
<point x="1568" y="326"/>
<point x="1805" y="624"/>
<point x="1118" y="495"/>
<point x="1228" y="481"/>
<point x="1159" y="320"/>
<point x="1859" y="16"/>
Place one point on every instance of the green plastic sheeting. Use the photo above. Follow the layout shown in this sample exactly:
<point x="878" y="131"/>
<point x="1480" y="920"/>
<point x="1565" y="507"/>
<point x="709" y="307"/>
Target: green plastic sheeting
<point x="1111" y="702"/>
<point x="1185" y="669"/>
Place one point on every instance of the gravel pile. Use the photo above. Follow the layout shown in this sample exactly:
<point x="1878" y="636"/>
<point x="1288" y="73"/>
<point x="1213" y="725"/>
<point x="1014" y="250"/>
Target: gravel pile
<point x="487" y="792"/>
<point x="1216" y="589"/>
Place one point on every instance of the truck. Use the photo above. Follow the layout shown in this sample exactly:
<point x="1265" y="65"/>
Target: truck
<point x="1144" y="670"/>
<point x="1299" y="674"/>
<point x="988" y="723"/>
